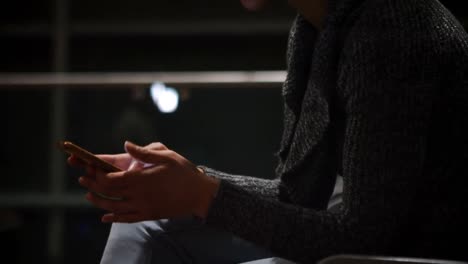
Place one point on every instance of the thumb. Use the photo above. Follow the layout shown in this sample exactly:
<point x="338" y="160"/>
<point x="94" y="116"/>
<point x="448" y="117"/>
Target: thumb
<point x="142" y="154"/>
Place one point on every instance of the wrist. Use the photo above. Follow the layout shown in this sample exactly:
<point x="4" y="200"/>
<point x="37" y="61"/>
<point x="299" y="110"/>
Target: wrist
<point x="207" y="192"/>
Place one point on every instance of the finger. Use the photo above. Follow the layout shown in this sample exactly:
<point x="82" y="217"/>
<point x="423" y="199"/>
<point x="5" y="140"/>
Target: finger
<point x="76" y="162"/>
<point x="109" y="205"/>
<point x="112" y="180"/>
<point x="90" y="172"/>
<point x="122" y="218"/>
<point x="156" y="146"/>
<point x="93" y="186"/>
<point x="133" y="177"/>
<point x="147" y="155"/>
<point x="119" y="160"/>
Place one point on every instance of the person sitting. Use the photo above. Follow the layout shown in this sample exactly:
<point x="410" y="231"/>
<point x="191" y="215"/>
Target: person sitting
<point x="377" y="92"/>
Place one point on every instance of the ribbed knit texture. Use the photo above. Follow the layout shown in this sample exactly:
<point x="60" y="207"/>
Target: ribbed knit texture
<point x="379" y="95"/>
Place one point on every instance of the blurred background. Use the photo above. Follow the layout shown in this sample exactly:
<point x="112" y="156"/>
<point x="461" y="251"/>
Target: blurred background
<point x="203" y="77"/>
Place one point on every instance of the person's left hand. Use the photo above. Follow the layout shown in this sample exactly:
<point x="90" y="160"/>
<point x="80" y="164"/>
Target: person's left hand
<point x="171" y="187"/>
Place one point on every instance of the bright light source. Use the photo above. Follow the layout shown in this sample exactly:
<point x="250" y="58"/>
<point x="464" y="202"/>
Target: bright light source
<point x="165" y="98"/>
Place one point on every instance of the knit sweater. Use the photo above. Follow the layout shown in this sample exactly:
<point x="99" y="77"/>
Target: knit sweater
<point x="380" y="96"/>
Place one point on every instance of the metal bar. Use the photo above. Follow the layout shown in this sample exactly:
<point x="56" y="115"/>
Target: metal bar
<point x="31" y="200"/>
<point x="58" y="118"/>
<point x="155" y="28"/>
<point x="219" y="79"/>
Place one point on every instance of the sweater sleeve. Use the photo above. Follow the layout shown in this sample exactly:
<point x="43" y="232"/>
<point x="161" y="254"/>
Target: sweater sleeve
<point x="388" y="106"/>
<point x="266" y="188"/>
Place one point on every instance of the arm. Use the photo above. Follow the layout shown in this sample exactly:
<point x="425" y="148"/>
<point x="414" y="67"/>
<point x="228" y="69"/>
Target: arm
<point x="388" y="113"/>
<point x="258" y="186"/>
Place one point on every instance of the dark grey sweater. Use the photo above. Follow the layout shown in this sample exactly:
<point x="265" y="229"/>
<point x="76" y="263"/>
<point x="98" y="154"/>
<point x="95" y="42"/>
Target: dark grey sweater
<point x="379" y="95"/>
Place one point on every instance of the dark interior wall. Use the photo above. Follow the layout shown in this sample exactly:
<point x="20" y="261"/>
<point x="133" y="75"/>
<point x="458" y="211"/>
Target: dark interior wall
<point x="145" y="35"/>
<point x="150" y="35"/>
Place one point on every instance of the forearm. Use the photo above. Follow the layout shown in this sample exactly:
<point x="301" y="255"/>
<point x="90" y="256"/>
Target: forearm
<point x="287" y="230"/>
<point x="265" y="188"/>
<point x="307" y="235"/>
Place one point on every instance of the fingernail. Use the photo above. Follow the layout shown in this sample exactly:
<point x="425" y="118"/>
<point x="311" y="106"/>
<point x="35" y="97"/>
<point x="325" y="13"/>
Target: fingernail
<point x="129" y="144"/>
<point x="83" y="182"/>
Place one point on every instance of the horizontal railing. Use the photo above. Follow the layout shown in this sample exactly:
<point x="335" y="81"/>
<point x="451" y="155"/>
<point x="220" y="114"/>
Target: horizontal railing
<point x="43" y="200"/>
<point x="220" y="79"/>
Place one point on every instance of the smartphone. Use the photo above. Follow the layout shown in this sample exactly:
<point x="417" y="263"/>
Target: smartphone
<point x="90" y="159"/>
<point x="87" y="157"/>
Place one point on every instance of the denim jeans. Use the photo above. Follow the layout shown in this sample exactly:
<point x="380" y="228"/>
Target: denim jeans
<point x="178" y="241"/>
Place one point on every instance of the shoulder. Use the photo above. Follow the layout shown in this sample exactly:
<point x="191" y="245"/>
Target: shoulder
<point x="419" y="25"/>
<point x="403" y="39"/>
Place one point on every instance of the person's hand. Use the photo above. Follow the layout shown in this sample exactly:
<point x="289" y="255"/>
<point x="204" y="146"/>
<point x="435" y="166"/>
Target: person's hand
<point x="171" y="187"/>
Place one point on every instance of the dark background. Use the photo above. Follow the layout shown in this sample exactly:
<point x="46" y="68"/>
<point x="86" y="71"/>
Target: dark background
<point x="235" y="130"/>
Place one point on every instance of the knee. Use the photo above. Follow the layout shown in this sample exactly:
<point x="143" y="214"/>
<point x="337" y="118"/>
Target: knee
<point x="129" y="243"/>
<point x="138" y="232"/>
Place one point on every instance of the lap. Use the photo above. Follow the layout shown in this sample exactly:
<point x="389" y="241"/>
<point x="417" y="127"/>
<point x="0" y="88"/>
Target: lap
<point x="185" y="240"/>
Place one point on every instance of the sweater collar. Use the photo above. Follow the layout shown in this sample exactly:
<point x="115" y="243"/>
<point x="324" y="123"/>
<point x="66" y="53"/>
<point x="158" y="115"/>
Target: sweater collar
<point x="308" y="87"/>
<point x="302" y="38"/>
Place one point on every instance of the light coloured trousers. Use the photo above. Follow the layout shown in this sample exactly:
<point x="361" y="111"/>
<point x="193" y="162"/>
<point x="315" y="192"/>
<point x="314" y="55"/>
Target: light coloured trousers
<point x="179" y="241"/>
